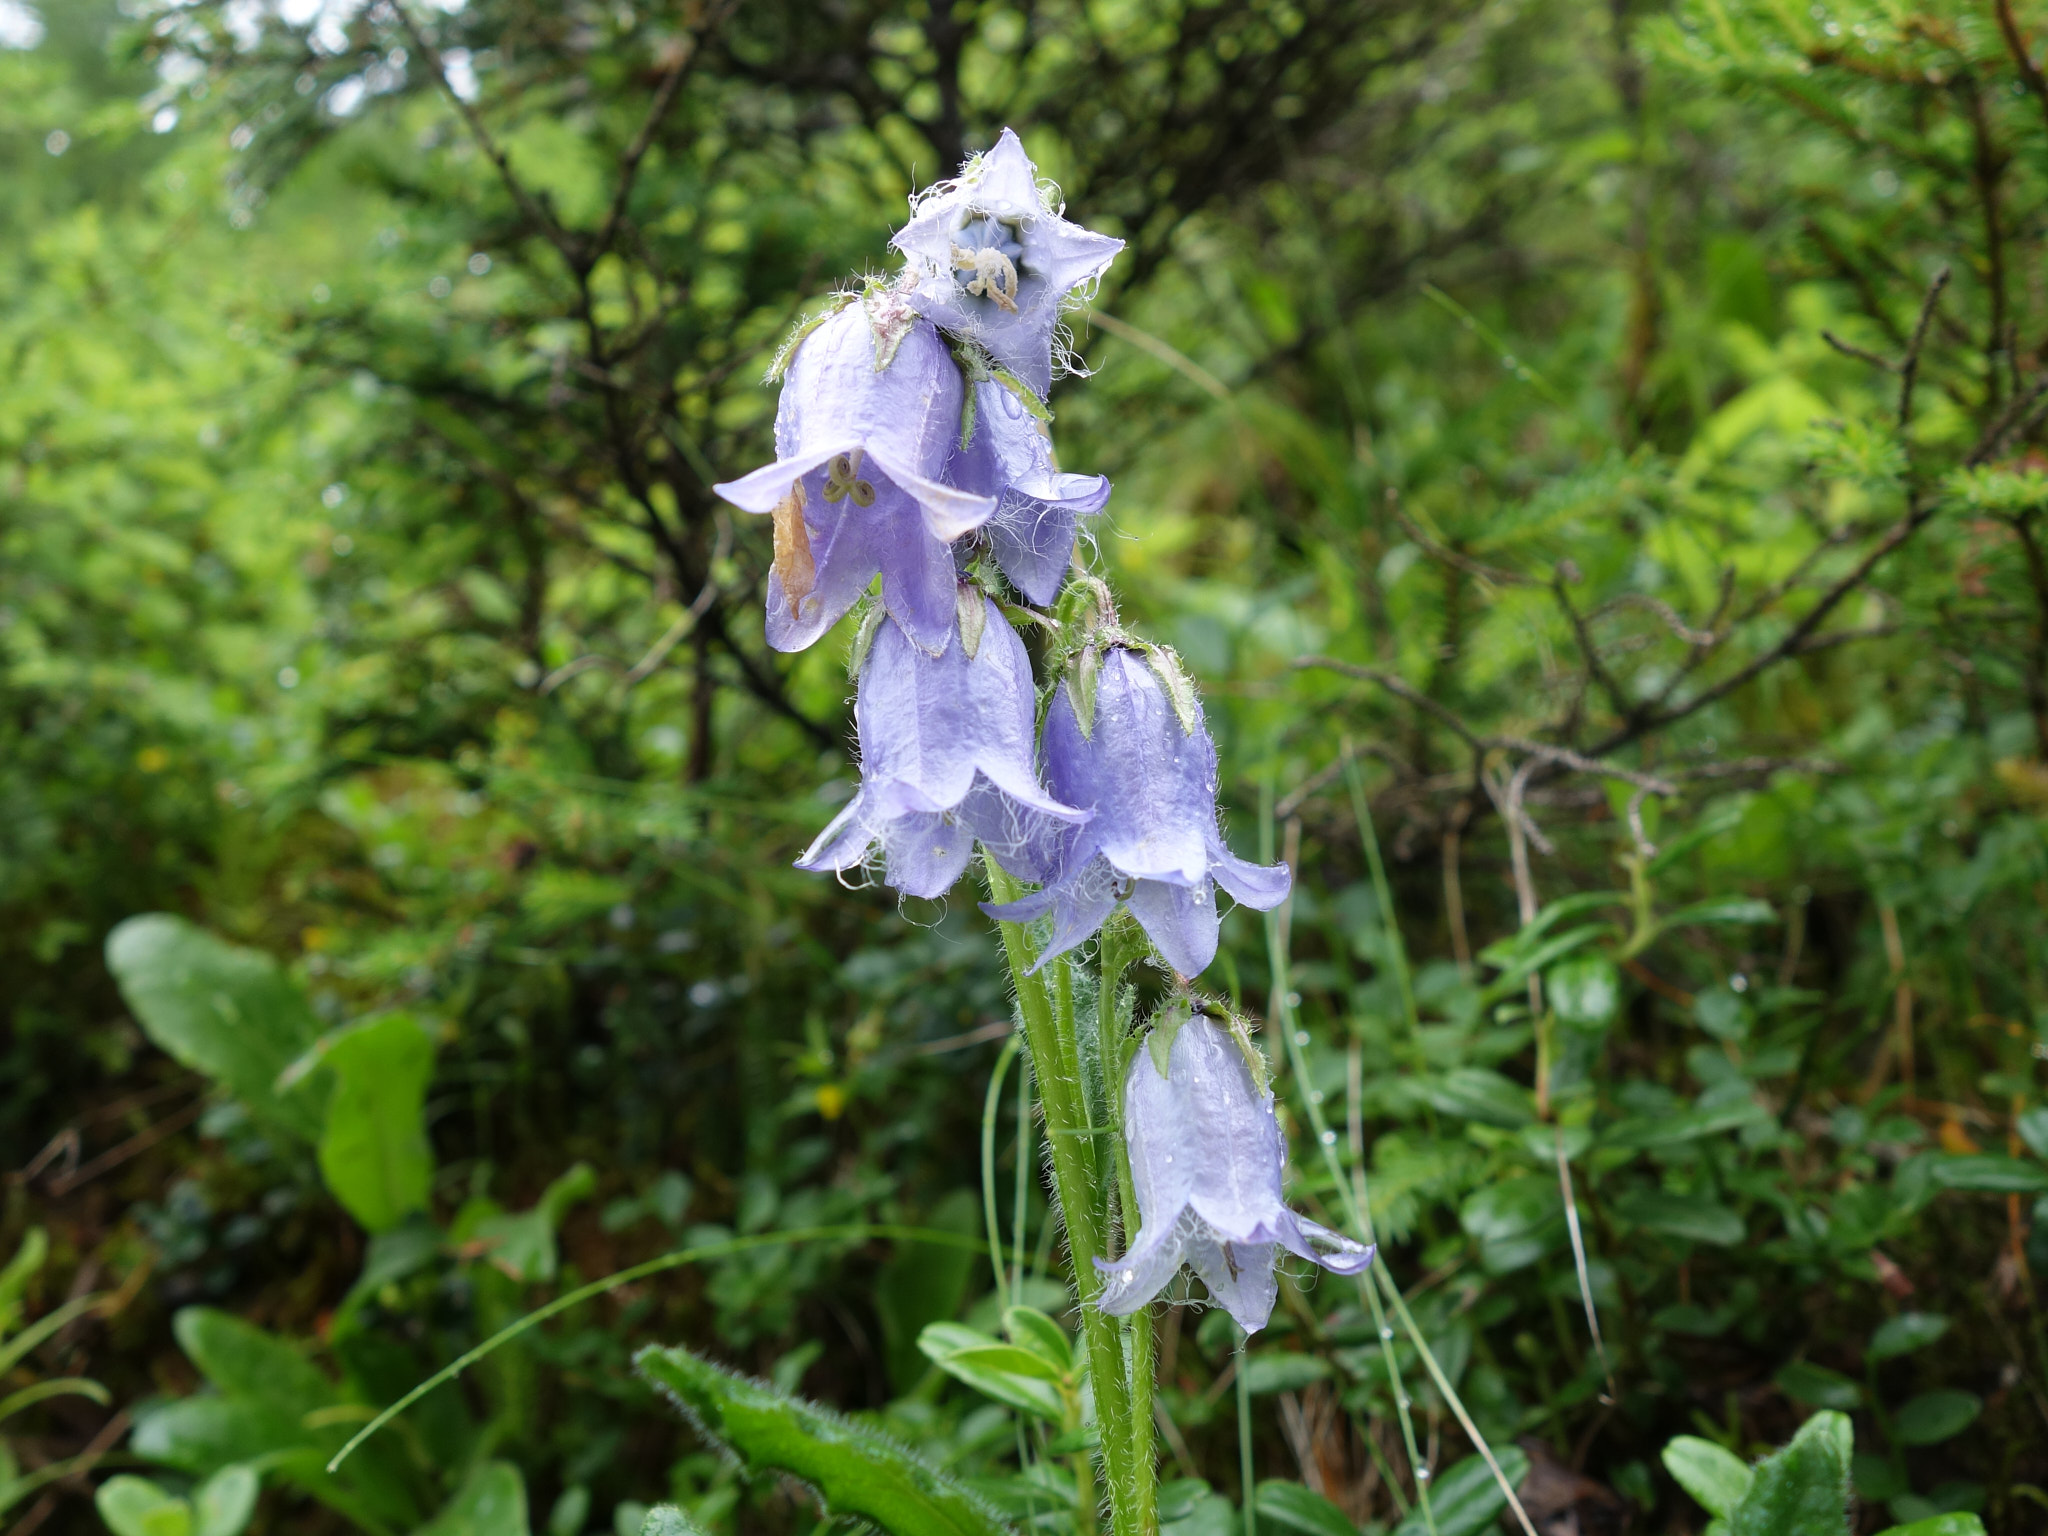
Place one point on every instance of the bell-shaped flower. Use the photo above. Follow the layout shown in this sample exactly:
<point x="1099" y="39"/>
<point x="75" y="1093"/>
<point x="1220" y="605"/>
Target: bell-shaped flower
<point x="1008" y="455"/>
<point x="1206" y="1159"/>
<point x="993" y="260"/>
<point x="870" y="412"/>
<point x="945" y="757"/>
<point x="1142" y="760"/>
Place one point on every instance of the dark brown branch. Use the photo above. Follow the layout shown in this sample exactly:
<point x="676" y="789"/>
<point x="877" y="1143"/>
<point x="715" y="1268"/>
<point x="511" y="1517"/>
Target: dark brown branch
<point x="528" y="204"/>
<point x="2016" y="45"/>
<point x="1910" y="368"/>
<point x="1451" y="557"/>
<point x="1850" y="349"/>
<point x="671" y="86"/>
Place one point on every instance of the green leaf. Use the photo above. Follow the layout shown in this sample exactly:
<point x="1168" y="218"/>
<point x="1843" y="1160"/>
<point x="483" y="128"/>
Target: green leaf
<point x="224" y="1504"/>
<point x="1877" y="1479"/>
<point x="1518" y="966"/>
<point x="1990" y="1172"/>
<point x="1802" y="1490"/>
<point x="1283" y="1371"/>
<point x="856" y="1470"/>
<point x="26" y="1264"/>
<point x="1466" y="1500"/>
<point x="2033" y="1130"/>
<point x="1905" y="1333"/>
<point x="1721" y="909"/>
<point x="1585" y="990"/>
<point x="1474" y="1093"/>
<point x="248" y="1364"/>
<point x="1691" y="1217"/>
<point x="203" y="1434"/>
<point x="1933" y="1417"/>
<point x="374" y="1153"/>
<point x="1648" y="1132"/>
<point x="1939" y="1525"/>
<point x="1189" y="1507"/>
<point x="522" y="1243"/>
<point x="1031" y="1329"/>
<point x="668" y="1520"/>
<point x="1296" y="1508"/>
<point x="1818" y="1387"/>
<point x="1716" y="1478"/>
<point x="1019" y="1377"/>
<point x="1515" y="1221"/>
<point x="1723" y="820"/>
<point x="134" y="1506"/>
<point x="491" y="1502"/>
<point x="222" y="1010"/>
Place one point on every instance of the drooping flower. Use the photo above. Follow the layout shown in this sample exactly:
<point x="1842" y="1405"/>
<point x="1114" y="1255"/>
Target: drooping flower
<point x="994" y="261"/>
<point x="1009" y="456"/>
<point x="870" y="412"/>
<point x="1206" y="1158"/>
<point x="945" y="757"/>
<point x="1142" y="760"/>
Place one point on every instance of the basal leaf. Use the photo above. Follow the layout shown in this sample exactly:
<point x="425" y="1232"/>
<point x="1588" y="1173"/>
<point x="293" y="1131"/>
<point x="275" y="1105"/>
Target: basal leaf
<point x="229" y="1012"/>
<point x="856" y="1470"/>
<point x="1716" y="1478"/>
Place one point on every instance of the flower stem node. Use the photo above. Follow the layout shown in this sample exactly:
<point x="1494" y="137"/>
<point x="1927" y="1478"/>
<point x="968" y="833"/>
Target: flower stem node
<point x="1206" y="1159"/>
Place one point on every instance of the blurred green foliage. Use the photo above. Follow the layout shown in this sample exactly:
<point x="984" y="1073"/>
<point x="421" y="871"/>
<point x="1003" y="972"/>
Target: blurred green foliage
<point x="1577" y="383"/>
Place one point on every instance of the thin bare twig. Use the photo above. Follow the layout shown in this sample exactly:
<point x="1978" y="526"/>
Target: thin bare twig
<point x="1443" y="553"/>
<point x="1909" y="370"/>
<point x="1850" y="349"/>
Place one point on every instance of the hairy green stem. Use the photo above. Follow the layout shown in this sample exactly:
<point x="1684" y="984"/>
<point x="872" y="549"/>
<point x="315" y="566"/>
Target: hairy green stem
<point x="1047" y="1012"/>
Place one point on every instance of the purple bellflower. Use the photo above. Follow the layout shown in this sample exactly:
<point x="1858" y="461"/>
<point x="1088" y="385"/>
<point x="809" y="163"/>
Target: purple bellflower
<point x="1009" y="456"/>
<point x="870" y="411"/>
<point x="1206" y="1159"/>
<point x="1145" y="765"/>
<point x="945" y="756"/>
<point x="993" y="261"/>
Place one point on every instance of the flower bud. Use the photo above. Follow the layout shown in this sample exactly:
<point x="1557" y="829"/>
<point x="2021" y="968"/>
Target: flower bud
<point x="1206" y="1159"/>
<point x="1009" y="456"/>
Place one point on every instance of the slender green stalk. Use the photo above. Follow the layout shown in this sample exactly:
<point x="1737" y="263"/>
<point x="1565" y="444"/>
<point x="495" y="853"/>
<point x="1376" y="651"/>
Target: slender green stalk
<point x="856" y="1231"/>
<point x="1244" y="1438"/>
<point x="1120" y="945"/>
<point x="1383" y="894"/>
<point x="1023" y="1190"/>
<point x="990" y="1107"/>
<point x="1358" y="1204"/>
<point x="1048" y="1028"/>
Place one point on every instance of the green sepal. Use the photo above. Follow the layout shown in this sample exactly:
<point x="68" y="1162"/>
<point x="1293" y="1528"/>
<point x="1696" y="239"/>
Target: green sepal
<point x="1081" y="689"/>
<point x="864" y="639"/>
<point x="1166" y="1027"/>
<point x="972" y="608"/>
<point x="1178" y="686"/>
<point x="786" y="353"/>
<point x="890" y="318"/>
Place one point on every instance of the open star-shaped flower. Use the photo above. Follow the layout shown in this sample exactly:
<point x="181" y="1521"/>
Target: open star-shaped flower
<point x="870" y="413"/>
<point x="1206" y="1159"/>
<point x="1144" y="763"/>
<point x="992" y="259"/>
<point x="945" y="757"/>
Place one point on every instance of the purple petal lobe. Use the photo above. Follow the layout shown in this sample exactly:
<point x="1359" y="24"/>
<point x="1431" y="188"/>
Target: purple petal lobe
<point x="991" y="260"/>
<point x="1180" y="921"/>
<point x="945" y="755"/>
<point x="857" y="486"/>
